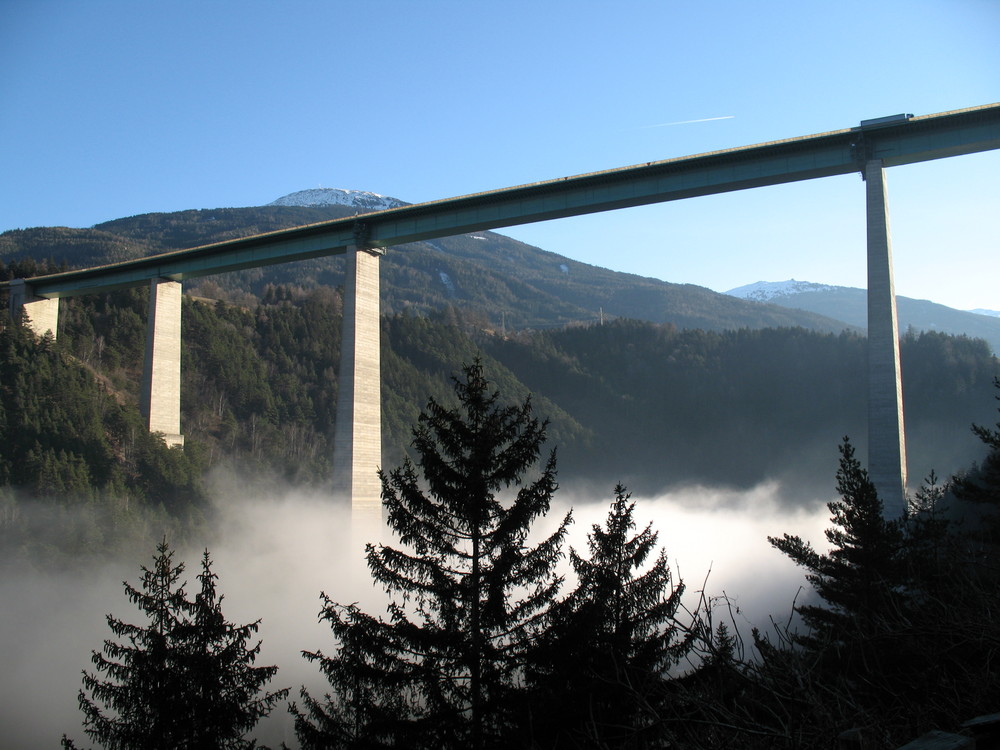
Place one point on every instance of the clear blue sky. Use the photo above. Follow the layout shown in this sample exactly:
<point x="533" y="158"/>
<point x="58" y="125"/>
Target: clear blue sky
<point x="113" y="108"/>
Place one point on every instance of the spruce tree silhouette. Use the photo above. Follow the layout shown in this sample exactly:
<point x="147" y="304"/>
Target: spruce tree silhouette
<point x="600" y="671"/>
<point x="860" y="579"/>
<point x="184" y="679"/>
<point x="444" y="671"/>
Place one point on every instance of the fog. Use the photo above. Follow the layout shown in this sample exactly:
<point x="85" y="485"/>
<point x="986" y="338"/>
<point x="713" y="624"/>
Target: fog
<point x="274" y="555"/>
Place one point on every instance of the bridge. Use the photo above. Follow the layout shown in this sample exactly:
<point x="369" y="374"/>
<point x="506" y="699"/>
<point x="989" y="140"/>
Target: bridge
<point x="868" y="148"/>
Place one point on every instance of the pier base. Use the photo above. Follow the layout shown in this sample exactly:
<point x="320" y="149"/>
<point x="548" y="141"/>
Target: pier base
<point x="41" y="315"/>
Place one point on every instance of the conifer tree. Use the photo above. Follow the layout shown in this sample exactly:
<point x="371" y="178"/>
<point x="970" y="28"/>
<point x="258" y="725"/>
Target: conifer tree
<point x="445" y="669"/>
<point x="184" y="679"/>
<point x="896" y="647"/>
<point x="143" y="687"/>
<point x="981" y="485"/>
<point x="217" y="658"/>
<point x="848" y="668"/>
<point x="860" y="578"/>
<point x="602" y="666"/>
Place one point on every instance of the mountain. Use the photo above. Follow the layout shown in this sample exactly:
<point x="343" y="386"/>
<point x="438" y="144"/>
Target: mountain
<point x="765" y="291"/>
<point x="508" y="284"/>
<point x="360" y="199"/>
<point x="649" y="405"/>
<point x="851" y="305"/>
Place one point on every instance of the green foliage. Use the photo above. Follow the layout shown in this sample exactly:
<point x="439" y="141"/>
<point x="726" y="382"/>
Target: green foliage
<point x="260" y="383"/>
<point x="54" y="419"/>
<point x="600" y="670"/>
<point x="862" y="577"/>
<point x="72" y="247"/>
<point x="766" y="400"/>
<point x="258" y="386"/>
<point x="184" y="678"/>
<point x="83" y="475"/>
<point x="898" y="637"/>
<point x="445" y="670"/>
<point x="418" y="357"/>
<point x="981" y="484"/>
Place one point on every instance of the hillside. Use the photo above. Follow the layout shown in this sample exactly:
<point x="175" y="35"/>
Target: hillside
<point x="648" y="404"/>
<point x="509" y="284"/>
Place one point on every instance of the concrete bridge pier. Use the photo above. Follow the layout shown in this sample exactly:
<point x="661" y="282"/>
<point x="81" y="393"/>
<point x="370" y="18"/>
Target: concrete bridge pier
<point x="357" y="444"/>
<point x="160" y="395"/>
<point x="886" y="439"/>
<point x="41" y="314"/>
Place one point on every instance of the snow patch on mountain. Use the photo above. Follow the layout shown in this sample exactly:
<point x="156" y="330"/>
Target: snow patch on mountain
<point x="360" y="199"/>
<point x="765" y="291"/>
<point x="769" y="291"/>
<point x="448" y="283"/>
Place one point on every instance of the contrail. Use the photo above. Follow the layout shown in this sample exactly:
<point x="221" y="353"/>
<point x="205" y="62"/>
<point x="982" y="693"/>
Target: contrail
<point x="685" y="122"/>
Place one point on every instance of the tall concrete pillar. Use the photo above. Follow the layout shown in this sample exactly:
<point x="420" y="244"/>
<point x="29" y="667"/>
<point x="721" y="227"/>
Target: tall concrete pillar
<point x="160" y="398"/>
<point x="886" y="439"/>
<point x="357" y="443"/>
<point x="40" y="315"/>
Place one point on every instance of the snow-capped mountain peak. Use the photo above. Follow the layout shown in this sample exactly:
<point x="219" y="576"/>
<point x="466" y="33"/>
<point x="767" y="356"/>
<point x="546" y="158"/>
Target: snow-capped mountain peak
<point x="360" y="199"/>
<point x="765" y="291"/>
<point x="850" y="305"/>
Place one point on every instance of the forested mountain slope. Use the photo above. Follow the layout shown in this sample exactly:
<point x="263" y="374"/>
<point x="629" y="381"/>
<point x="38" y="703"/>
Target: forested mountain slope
<point x="696" y="393"/>
<point x="631" y="401"/>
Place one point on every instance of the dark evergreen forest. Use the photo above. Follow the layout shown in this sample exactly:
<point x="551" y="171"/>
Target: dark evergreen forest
<point x="646" y="404"/>
<point x="679" y="386"/>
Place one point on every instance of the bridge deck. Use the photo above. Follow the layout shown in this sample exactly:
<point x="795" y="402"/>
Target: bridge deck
<point x="896" y="142"/>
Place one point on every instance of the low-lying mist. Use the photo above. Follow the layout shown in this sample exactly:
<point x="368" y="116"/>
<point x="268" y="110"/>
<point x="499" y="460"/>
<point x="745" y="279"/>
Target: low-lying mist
<point x="274" y="555"/>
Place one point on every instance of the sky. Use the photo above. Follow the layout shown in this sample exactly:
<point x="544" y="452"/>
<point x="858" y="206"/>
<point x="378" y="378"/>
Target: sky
<point x="111" y="108"/>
